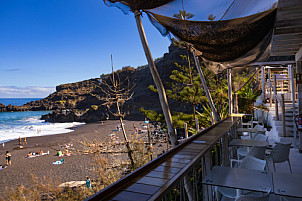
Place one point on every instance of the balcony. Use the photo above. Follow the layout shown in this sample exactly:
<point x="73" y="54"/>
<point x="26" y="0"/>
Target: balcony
<point x="178" y="174"/>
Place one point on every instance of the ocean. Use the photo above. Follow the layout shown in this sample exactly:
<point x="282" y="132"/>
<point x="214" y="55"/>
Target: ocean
<point x="28" y="124"/>
<point x="17" y="101"/>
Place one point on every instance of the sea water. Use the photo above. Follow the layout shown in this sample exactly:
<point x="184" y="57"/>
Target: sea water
<point x="17" y="101"/>
<point x="28" y="124"/>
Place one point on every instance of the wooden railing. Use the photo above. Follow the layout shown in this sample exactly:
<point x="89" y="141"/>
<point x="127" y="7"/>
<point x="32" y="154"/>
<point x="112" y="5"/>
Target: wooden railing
<point x="177" y="175"/>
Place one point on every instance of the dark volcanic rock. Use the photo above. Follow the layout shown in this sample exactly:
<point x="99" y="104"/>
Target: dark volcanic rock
<point x="78" y="102"/>
<point x="2" y="108"/>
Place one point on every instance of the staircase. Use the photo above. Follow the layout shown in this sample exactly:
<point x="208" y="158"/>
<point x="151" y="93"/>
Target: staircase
<point x="289" y="122"/>
<point x="276" y="132"/>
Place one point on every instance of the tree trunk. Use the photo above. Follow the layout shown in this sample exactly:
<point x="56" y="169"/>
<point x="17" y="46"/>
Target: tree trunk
<point x="125" y="135"/>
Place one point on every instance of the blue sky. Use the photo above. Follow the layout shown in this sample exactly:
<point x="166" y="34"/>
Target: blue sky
<point x="45" y="43"/>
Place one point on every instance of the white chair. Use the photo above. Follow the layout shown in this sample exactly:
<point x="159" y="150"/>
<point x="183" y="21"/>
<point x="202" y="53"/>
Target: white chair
<point x="242" y="151"/>
<point x="259" y="121"/>
<point x="259" y="130"/>
<point x="280" y="154"/>
<point x="254" y="198"/>
<point x="257" y="152"/>
<point x="248" y="162"/>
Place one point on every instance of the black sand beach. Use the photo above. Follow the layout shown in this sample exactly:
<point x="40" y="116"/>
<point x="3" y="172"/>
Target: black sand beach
<point x="75" y="167"/>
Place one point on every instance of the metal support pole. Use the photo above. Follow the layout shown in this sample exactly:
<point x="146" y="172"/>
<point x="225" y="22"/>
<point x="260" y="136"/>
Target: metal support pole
<point x="299" y="86"/>
<point x="229" y="78"/>
<point x="157" y="80"/>
<point x="270" y="88"/>
<point x="283" y="116"/>
<point x="206" y="90"/>
<point x="263" y="82"/>
<point x="276" y="99"/>
<point x="294" y="103"/>
<point x="289" y="76"/>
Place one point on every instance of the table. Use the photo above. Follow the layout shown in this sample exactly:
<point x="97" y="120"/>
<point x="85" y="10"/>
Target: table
<point x="250" y="130"/>
<point x="286" y="184"/>
<point x="248" y="143"/>
<point x="238" y="178"/>
<point x="282" y="184"/>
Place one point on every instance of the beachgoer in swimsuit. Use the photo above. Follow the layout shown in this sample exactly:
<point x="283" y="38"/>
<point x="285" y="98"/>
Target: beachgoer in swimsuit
<point x="8" y="156"/>
<point x="24" y="141"/>
<point x="20" y="140"/>
<point x="88" y="183"/>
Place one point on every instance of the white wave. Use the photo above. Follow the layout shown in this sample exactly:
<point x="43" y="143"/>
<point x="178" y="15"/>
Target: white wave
<point x="35" y="127"/>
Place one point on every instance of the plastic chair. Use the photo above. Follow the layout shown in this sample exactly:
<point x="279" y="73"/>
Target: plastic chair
<point x="257" y="152"/>
<point x="280" y="154"/>
<point x="250" y="163"/>
<point x="254" y="198"/>
<point x="242" y="151"/>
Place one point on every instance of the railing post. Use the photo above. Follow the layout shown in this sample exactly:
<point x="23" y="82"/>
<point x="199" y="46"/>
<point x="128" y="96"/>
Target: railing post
<point x="283" y="116"/>
<point x="197" y="124"/>
<point x="236" y="110"/>
<point x="276" y="98"/>
<point x="186" y="130"/>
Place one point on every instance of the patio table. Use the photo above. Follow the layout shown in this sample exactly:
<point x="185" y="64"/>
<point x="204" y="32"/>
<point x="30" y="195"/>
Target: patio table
<point x="239" y="178"/>
<point x="286" y="184"/>
<point x="248" y="143"/>
<point x="250" y="130"/>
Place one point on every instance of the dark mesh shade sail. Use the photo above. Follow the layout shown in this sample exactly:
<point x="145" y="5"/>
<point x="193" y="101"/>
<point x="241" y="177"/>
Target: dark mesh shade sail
<point x="221" y="41"/>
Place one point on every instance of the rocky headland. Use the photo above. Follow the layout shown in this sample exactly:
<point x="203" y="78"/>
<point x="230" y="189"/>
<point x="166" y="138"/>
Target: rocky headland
<point x="78" y="101"/>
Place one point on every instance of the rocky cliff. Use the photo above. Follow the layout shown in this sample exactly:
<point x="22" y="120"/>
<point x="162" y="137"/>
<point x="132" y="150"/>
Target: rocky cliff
<point x="78" y="101"/>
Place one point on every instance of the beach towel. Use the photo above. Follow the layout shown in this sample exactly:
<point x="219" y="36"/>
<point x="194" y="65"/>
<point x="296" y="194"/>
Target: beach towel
<point x="33" y="156"/>
<point x="58" y="162"/>
<point x="68" y="154"/>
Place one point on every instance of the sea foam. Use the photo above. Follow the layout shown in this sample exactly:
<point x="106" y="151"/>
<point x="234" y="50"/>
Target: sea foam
<point x="27" y="124"/>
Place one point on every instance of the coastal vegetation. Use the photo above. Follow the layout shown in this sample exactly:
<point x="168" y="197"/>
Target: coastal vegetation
<point x="115" y="94"/>
<point x="186" y="87"/>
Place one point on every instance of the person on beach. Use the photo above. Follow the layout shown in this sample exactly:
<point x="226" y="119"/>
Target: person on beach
<point x="24" y="141"/>
<point x="40" y="152"/>
<point x="59" y="153"/>
<point x="88" y="183"/>
<point x="8" y="156"/>
<point x="20" y="141"/>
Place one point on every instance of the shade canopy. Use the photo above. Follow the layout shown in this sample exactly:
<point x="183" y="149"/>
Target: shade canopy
<point x="226" y="34"/>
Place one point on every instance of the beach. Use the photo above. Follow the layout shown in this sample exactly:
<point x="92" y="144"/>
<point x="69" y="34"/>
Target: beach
<point x="75" y="167"/>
